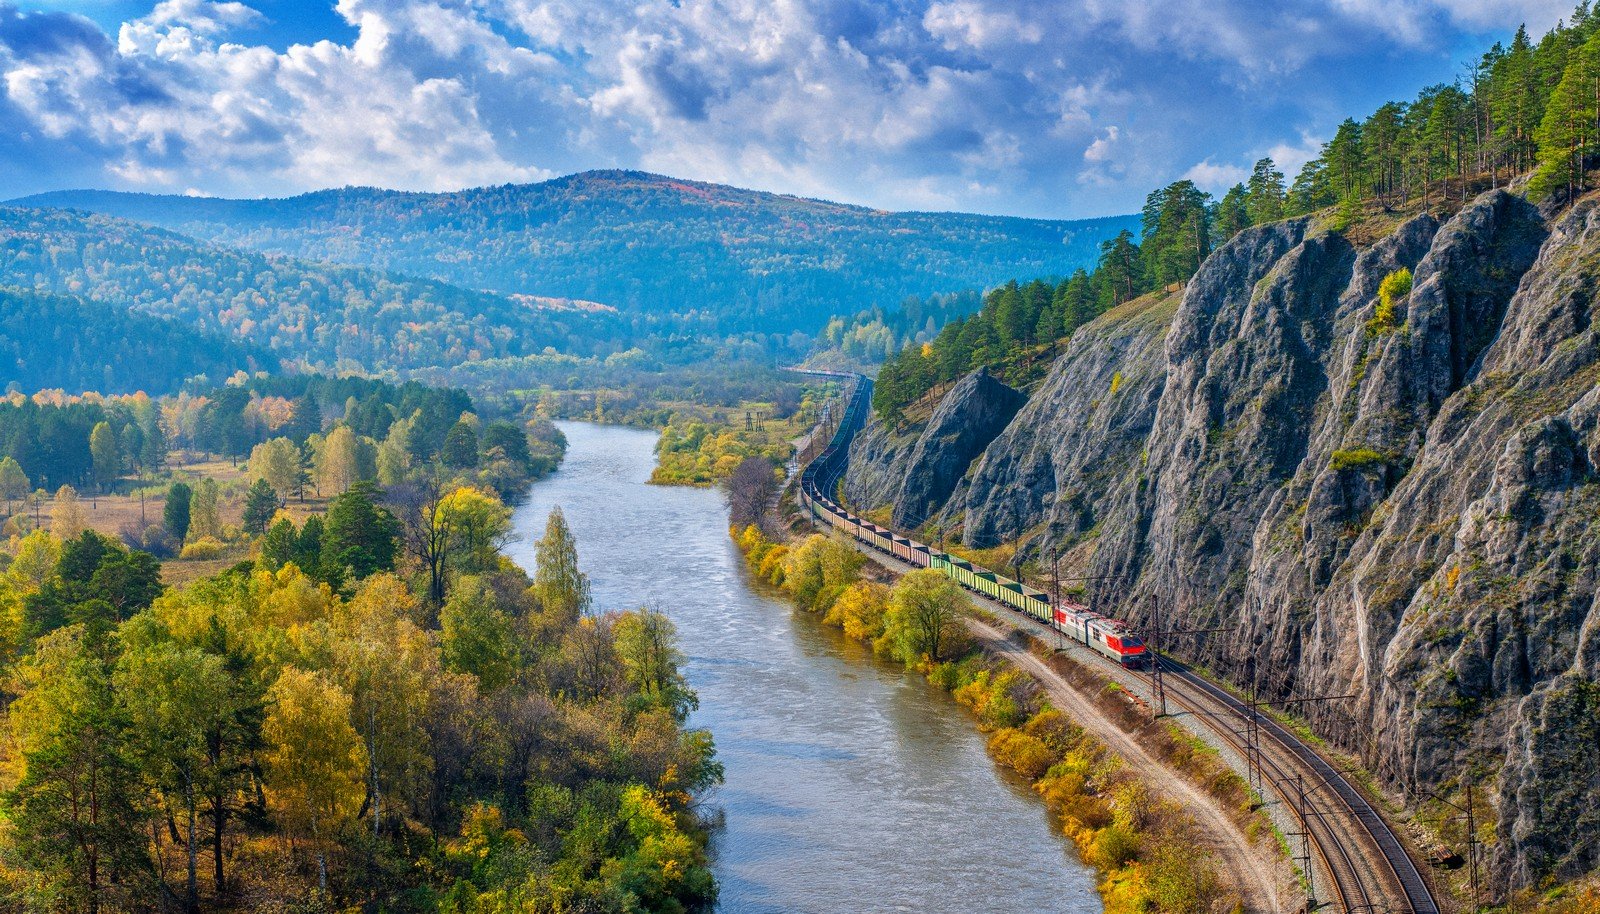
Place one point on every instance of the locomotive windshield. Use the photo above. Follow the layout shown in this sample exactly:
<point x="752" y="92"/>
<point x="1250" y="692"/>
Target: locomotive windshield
<point x="1132" y="641"/>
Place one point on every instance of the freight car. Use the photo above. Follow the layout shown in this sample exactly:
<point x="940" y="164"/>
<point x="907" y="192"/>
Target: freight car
<point x="819" y="483"/>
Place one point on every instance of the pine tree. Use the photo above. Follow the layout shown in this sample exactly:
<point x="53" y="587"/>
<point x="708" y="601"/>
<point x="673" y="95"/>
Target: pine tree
<point x="1265" y="192"/>
<point x="1345" y="158"/>
<point x="1569" y="133"/>
<point x="1180" y="237"/>
<point x="1233" y="214"/>
<point x="460" y="451"/>
<point x="1118" y="275"/>
<point x="260" y="504"/>
<point x="360" y="535"/>
<point x="74" y="811"/>
<point x="280" y="545"/>
<point x="175" y="515"/>
<point x="1515" y="103"/>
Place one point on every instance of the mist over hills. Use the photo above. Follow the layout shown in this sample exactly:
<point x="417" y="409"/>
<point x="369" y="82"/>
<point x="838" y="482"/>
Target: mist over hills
<point x="733" y="260"/>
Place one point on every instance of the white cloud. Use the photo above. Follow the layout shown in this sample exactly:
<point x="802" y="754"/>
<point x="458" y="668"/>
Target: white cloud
<point x="1210" y="176"/>
<point x="1291" y="157"/>
<point x="1102" y="158"/>
<point x="992" y="104"/>
<point x="204" y="16"/>
<point x="1103" y="148"/>
<point x="969" y="24"/>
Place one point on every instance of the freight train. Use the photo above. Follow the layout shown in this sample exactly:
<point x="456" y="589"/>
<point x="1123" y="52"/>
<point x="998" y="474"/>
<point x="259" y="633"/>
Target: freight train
<point x="819" y="480"/>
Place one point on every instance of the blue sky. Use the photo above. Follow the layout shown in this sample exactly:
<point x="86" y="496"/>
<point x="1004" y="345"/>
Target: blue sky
<point x="1052" y="109"/>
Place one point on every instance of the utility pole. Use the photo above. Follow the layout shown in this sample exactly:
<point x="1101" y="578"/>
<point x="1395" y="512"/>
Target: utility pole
<point x="1472" y="852"/>
<point x="1152" y="649"/>
<point x="1470" y="815"/>
<point x="1055" y="596"/>
<point x="1304" y="857"/>
<point x="1252" y="744"/>
<point x="1158" y="706"/>
<point x="1252" y="730"/>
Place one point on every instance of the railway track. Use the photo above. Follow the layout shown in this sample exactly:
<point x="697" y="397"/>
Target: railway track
<point x="1367" y="868"/>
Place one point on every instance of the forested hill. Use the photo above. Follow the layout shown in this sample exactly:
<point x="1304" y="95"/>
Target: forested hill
<point x="310" y="314"/>
<point x="49" y="341"/>
<point x="740" y="260"/>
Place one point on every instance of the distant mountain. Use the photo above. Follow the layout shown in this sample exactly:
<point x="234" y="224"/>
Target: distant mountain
<point x="320" y="316"/>
<point x="51" y="341"/>
<point x="735" y="260"/>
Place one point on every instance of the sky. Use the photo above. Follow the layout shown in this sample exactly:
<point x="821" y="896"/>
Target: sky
<point x="1042" y="108"/>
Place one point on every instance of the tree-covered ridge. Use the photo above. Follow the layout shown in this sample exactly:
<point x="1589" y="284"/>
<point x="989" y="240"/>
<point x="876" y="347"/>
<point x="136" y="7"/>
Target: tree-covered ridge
<point x="1020" y="325"/>
<point x="870" y="336"/>
<point x="55" y="341"/>
<point x="311" y="314"/>
<point x="301" y="433"/>
<point x="1524" y="107"/>
<point x="744" y="259"/>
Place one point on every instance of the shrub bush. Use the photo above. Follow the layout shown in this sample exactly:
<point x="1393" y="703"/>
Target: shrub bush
<point x="153" y="539"/>
<point x="1385" y="317"/>
<point x="202" y="549"/>
<point x="1355" y="459"/>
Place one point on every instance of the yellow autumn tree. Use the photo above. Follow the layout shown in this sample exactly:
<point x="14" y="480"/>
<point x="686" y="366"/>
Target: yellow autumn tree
<point x="67" y="519"/>
<point x="278" y="462"/>
<point x="860" y="609"/>
<point x="314" y="760"/>
<point x="337" y="462"/>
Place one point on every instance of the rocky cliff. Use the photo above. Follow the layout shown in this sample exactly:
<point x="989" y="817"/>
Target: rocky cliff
<point x="915" y="466"/>
<point x="1402" y="505"/>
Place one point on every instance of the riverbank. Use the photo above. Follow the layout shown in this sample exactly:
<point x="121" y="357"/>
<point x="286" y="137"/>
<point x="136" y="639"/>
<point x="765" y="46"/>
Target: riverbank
<point x="1150" y="849"/>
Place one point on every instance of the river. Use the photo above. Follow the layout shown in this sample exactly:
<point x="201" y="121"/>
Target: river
<point x="852" y="786"/>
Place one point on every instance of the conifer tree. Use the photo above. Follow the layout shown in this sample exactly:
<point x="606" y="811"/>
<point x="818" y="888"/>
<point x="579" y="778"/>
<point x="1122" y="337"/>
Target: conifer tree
<point x="1265" y="193"/>
<point x="260" y="504"/>
<point x="175" y="516"/>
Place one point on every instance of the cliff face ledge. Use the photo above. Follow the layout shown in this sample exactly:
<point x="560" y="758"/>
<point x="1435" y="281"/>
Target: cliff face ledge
<point x="1404" y="509"/>
<point x="915" y="469"/>
<point x="1082" y="431"/>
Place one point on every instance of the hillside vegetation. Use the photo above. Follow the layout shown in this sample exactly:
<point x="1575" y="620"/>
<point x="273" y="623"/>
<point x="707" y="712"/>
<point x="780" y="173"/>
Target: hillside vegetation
<point x="741" y="260"/>
<point x="54" y="341"/>
<point x="308" y="313"/>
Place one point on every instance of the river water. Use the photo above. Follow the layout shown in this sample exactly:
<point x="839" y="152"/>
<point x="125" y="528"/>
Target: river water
<point x="851" y="785"/>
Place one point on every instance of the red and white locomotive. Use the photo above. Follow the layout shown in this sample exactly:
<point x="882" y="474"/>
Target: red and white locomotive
<point x="1103" y="634"/>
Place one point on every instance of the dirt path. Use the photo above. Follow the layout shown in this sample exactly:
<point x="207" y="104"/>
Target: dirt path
<point x="1242" y="865"/>
<point x="1241" y="862"/>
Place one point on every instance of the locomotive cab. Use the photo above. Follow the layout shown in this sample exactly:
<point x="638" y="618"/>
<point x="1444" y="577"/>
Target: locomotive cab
<point x="1133" y="652"/>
